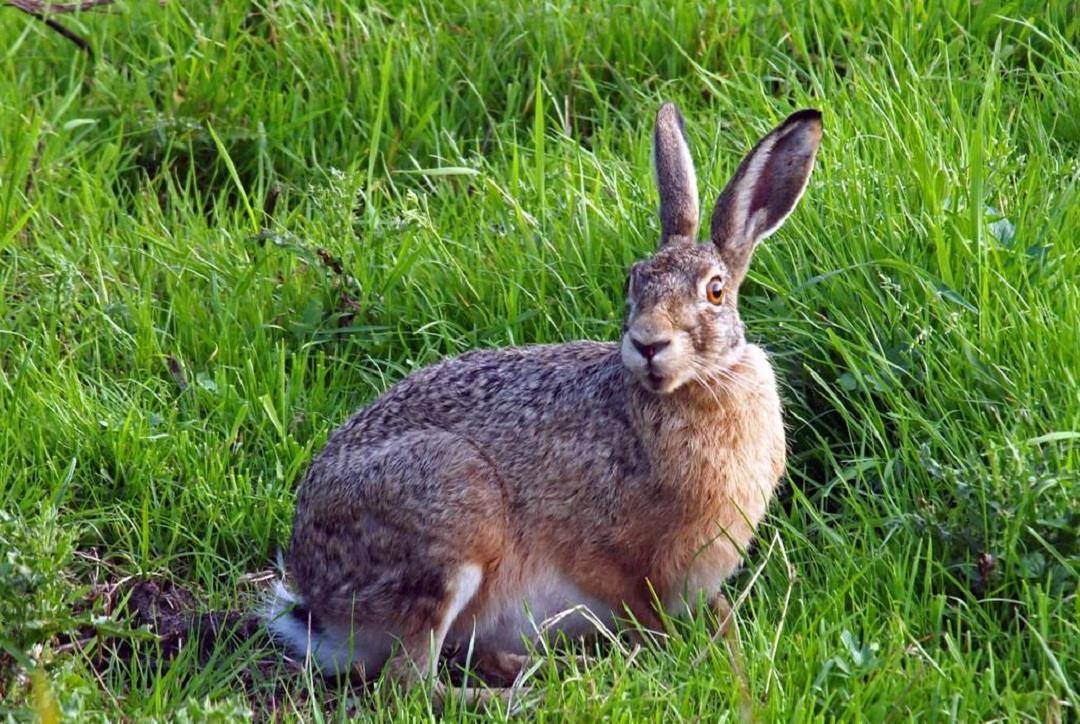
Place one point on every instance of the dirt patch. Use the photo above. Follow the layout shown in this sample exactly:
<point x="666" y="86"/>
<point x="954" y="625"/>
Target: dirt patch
<point x="165" y="609"/>
<point x="153" y="619"/>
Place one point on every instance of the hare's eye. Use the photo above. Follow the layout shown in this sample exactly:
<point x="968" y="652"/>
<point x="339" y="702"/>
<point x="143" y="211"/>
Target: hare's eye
<point x="714" y="291"/>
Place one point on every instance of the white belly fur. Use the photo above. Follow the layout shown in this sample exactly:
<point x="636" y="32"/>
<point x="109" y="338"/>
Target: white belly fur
<point x="547" y="605"/>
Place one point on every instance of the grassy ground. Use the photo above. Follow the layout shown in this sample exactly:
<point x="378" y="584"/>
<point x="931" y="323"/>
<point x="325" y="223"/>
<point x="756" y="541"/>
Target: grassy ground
<point x="242" y="221"/>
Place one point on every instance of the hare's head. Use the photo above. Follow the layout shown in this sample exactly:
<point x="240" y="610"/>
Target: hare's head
<point x="683" y="319"/>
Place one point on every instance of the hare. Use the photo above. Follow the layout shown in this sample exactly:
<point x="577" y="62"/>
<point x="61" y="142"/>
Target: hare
<point x="484" y="494"/>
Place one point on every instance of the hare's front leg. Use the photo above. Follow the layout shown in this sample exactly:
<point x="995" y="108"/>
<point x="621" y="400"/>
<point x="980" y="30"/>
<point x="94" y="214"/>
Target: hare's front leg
<point x="727" y="628"/>
<point x="725" y="615"/>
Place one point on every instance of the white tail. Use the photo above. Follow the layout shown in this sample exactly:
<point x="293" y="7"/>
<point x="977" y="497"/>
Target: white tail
<point x="291" y="623"/>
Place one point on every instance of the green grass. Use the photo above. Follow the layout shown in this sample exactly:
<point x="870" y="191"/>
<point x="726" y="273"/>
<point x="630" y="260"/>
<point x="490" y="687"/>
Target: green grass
<point x="238" y="224"/>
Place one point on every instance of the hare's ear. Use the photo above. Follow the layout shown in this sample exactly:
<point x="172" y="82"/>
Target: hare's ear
<point x="675" y="177"/>
<point x="765" y="189"/>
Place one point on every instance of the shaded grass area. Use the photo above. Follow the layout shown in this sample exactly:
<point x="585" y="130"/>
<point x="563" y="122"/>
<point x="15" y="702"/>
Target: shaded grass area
<point x="243" y="221"/>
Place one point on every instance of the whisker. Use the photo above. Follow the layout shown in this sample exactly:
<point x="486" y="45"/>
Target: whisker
<point x="705" y="382"/>
<point x="724" y="378"/>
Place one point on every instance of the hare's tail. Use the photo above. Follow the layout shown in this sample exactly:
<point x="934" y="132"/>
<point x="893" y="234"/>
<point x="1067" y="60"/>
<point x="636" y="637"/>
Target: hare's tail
<point x="292" y="624"/>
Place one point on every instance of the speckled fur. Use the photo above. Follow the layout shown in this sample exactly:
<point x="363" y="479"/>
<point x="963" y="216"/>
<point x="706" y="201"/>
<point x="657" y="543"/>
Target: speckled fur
<point x="564" y="463"/>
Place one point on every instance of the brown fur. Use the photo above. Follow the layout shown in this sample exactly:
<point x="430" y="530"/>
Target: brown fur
<point x="614" y="475"/>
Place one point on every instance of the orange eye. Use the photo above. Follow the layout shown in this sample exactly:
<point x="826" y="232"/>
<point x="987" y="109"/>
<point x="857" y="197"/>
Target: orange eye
<point x="714" y="291"/>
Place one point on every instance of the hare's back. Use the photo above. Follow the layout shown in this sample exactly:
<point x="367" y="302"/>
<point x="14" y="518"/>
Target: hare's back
<point x="485" y="391"/>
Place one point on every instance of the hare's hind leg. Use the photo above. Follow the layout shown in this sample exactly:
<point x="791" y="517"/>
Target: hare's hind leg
<point x="435" y="521"/>
<point x="499" y="675"/>
<point x="418" y="656"/>
<point x="500" y="669"/>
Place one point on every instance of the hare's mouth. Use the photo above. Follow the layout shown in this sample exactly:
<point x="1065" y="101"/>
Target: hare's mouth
<point x="657" y="368"/>
<point x="660" y="384"/>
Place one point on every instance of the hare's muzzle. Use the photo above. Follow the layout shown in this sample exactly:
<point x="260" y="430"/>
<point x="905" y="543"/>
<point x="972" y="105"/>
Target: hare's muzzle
<point x="654" y="356"/>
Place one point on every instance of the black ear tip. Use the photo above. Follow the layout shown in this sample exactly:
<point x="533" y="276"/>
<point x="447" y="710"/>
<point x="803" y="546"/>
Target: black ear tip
<point x="811" y="115"/>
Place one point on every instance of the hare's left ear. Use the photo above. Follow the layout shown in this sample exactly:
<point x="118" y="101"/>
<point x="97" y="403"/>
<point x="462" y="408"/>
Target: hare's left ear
<point x="764" y="190"/>
<point x="675" y="177"/>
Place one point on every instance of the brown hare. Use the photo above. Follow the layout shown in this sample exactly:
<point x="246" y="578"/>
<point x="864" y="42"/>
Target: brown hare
<point x="484" y="494"/>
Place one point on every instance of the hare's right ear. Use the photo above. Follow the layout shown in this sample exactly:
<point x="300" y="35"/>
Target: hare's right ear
<point x="675" y="177"/>
<point x="764" y="190"/>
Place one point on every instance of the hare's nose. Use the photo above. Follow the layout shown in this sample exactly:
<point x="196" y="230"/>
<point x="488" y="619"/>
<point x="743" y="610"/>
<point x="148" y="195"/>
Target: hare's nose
<point x="648" y="351"/>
